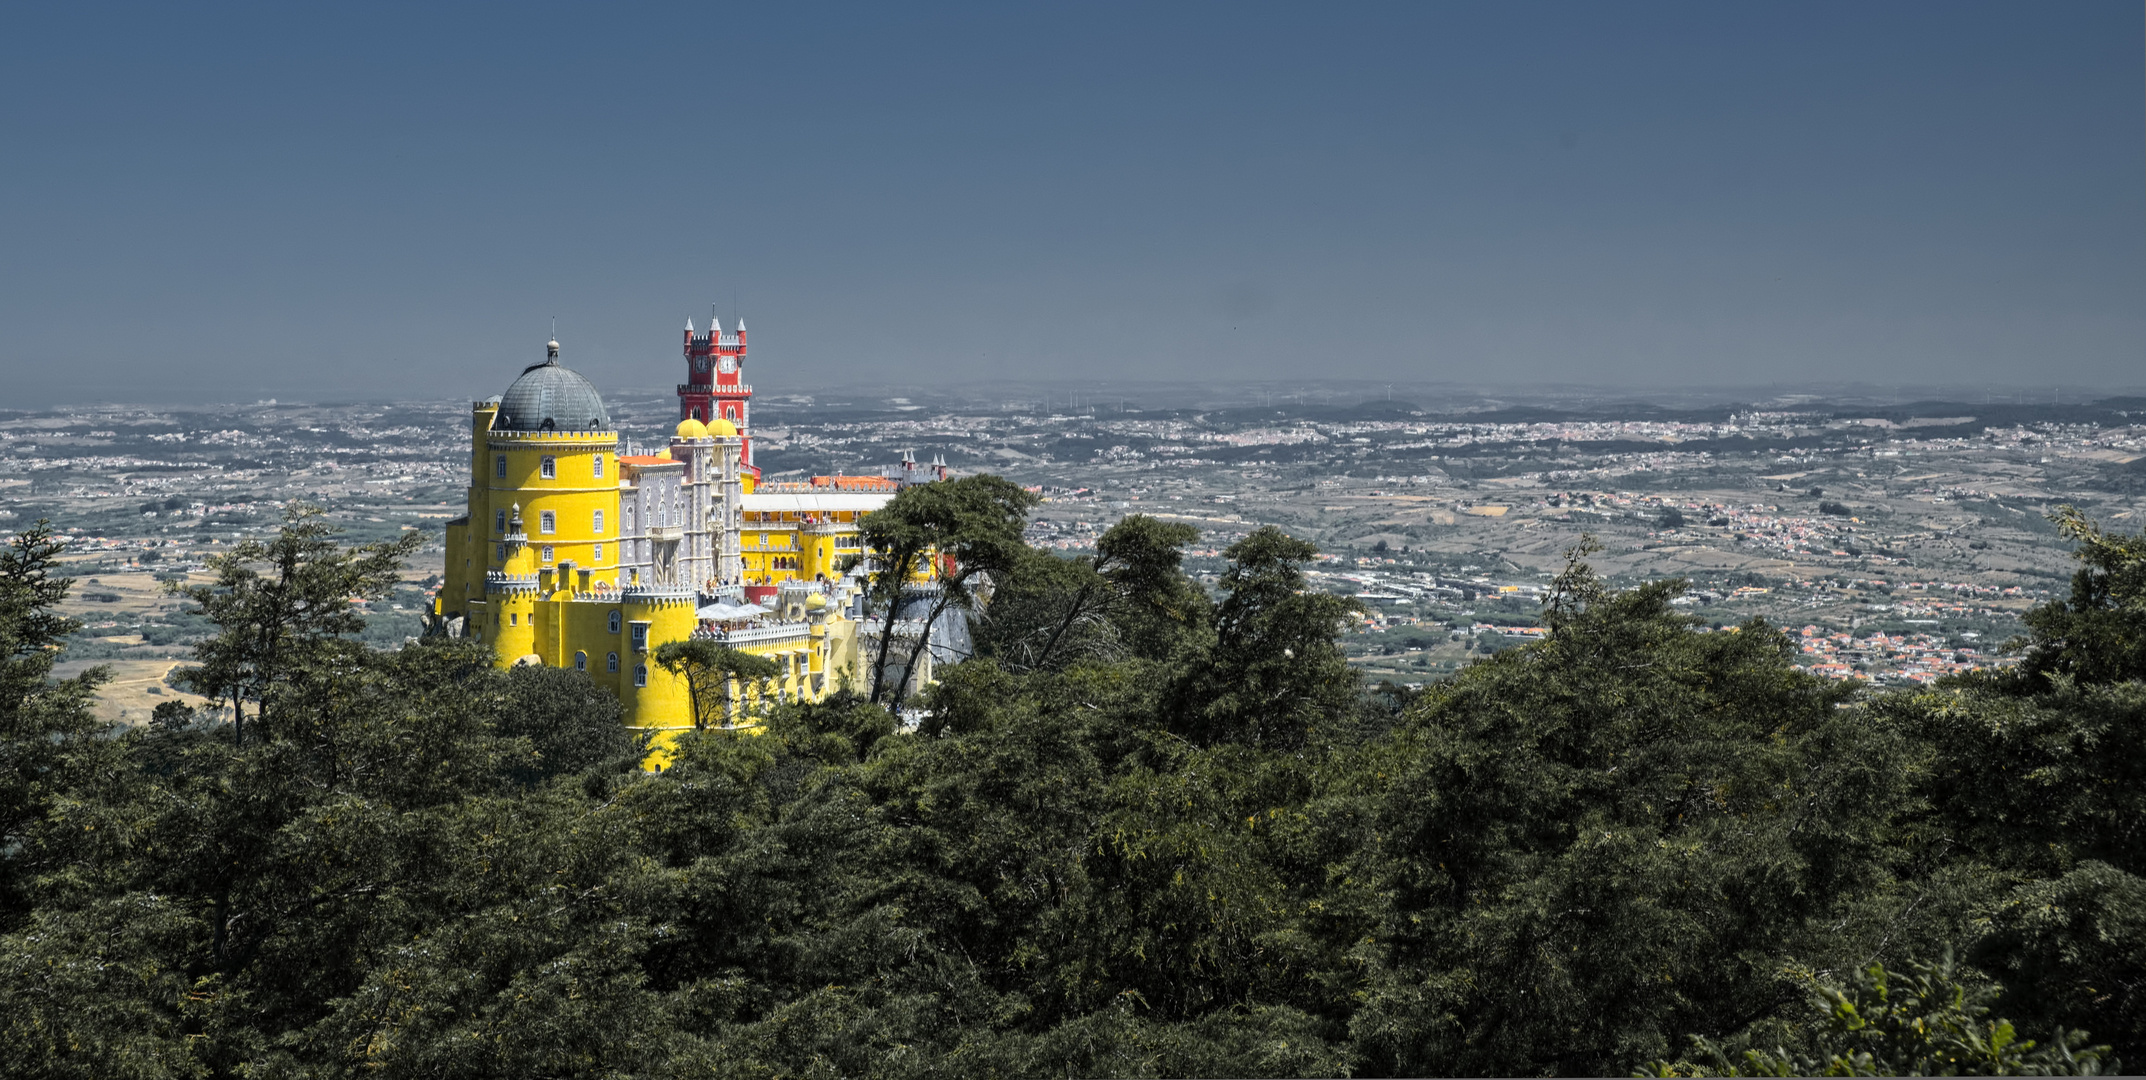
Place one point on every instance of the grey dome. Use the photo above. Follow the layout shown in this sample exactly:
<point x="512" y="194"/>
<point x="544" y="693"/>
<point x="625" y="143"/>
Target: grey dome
<point x="549" y="397"/>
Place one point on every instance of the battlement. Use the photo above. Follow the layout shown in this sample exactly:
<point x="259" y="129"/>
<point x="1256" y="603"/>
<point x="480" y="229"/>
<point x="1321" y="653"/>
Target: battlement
<point x="658" y="595"/>
<point x="499" y="581"/>
<point x="773" y="635"/>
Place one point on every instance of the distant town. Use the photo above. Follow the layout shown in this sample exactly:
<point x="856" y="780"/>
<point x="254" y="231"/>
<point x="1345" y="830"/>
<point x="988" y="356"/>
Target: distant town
<point x="1895" y="542"/>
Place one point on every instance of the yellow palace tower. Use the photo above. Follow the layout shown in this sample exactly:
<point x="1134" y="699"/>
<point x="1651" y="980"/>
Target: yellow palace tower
<point x="573" y="555"/>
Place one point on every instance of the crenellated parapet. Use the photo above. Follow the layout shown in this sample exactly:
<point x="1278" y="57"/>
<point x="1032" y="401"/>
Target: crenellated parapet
<point x="503" y="583"/>
<point x="579" y="553"/>
<point x="659" y="595"/>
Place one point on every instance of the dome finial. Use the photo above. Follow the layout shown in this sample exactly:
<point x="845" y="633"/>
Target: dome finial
<point x="551" y="348"/>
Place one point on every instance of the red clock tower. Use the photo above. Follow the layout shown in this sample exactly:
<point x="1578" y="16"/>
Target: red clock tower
<point x="715" y="386"/>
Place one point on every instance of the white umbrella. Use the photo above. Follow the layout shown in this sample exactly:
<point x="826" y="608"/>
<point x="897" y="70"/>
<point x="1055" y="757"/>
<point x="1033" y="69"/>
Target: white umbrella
<point x="723" y="612"/>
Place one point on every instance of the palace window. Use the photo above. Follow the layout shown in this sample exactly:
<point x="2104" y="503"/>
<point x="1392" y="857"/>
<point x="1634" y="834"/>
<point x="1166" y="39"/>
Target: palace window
<point x="547" y="522"/>
<point x="499" y="522"/>
<point x="611" y="663"/>
<point x="514" y="618"/>
<point x="581" y="661"/>
<point x="547" y="553"/>
<point x="549" y="468"/>
<point x="499" y="467"/>
<point x="596" y="463"/>
<point x="502" y="552"/>
<point x="640" y="637"/>
<point x="640" y="674"/>
<point x="598" y="555"/>
<point x="614" y="627"/>
<point x="599" y="523"/>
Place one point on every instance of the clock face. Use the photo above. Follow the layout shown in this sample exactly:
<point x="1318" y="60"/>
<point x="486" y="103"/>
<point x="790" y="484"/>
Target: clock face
<point x="727" y="364"/>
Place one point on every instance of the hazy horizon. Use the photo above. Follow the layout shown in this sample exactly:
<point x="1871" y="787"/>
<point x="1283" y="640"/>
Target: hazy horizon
<point x="231" y="203"/>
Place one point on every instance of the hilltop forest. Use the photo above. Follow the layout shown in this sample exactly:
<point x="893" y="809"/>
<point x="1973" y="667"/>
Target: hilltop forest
<point x="1150" y="830"/>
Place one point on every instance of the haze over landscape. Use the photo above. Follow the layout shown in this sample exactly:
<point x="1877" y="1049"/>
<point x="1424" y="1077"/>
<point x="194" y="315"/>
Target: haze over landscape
<point x="231" y="202"/>
<point x="1244" y="540"/>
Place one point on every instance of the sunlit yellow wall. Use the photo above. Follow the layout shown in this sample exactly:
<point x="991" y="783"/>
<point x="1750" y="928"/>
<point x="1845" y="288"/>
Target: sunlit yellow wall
<point x="573" y="495"/>
<point x="559" y="610"/>
<point x="843" y="663"/>
<point x="779" y="547"/>
<point x="584" y="635"/>
<point x="514" y="632"/>
<point x="663" y="704"/>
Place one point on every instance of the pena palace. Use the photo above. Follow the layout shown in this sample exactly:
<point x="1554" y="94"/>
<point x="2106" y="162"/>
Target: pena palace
<point x="575" y="555"/>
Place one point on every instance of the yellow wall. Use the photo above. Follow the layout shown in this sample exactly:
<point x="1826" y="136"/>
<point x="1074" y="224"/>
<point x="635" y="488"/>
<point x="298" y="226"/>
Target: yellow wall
<point x="777" y="547"/>
<point x="663" y="704"/>
<point x="556" y="609"/>
<point x="573" y="496"/>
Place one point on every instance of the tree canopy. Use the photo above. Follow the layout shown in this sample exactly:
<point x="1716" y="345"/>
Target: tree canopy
<point x="1146" y="831"/>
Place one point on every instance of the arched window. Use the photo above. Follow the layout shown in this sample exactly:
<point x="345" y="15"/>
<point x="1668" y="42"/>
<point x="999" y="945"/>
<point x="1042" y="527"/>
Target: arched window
<point x="640" y="674"/>
<point x="499" y="466"/>
<point x="581" y="661"/>
<point x="614" y="629"/>
<point x="597" y="463"/>
<point x="611" y="663"/>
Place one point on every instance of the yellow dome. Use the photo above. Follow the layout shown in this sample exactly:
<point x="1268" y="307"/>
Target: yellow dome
<point x="815" y="602"/>
<point x="723" y="429"/>
<point x="690" y="428"/>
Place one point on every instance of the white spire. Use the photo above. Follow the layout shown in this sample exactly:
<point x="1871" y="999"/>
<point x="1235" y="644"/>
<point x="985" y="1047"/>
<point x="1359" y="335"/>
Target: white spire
<point x="689" y="327"/>
<point x="741" y="325"/>
<point x="715" y="328"/>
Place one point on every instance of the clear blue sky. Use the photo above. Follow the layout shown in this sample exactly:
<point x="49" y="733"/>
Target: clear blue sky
<point x="210" y="202"/>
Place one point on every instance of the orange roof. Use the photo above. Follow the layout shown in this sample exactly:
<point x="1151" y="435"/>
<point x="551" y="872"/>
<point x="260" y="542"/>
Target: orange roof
<point x="642" y="459"/>
<point x="855" y="483"/>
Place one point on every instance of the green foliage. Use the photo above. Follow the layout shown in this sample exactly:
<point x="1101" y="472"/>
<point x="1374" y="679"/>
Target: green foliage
<point x="47" y="743"/>
<point x="1925" y="1021"/>
<point x="972" y="526"/>
<point x="572" y="724"/>
<point x="2037" y="781"/>
<point x="1274" y="672"/>
<point x="2098" y="634"/>
<point x="1131" y="599"/>
<point x="1142" y="834"/>
<point x="1598" y="843"/>
<point x="282" y="605"/>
